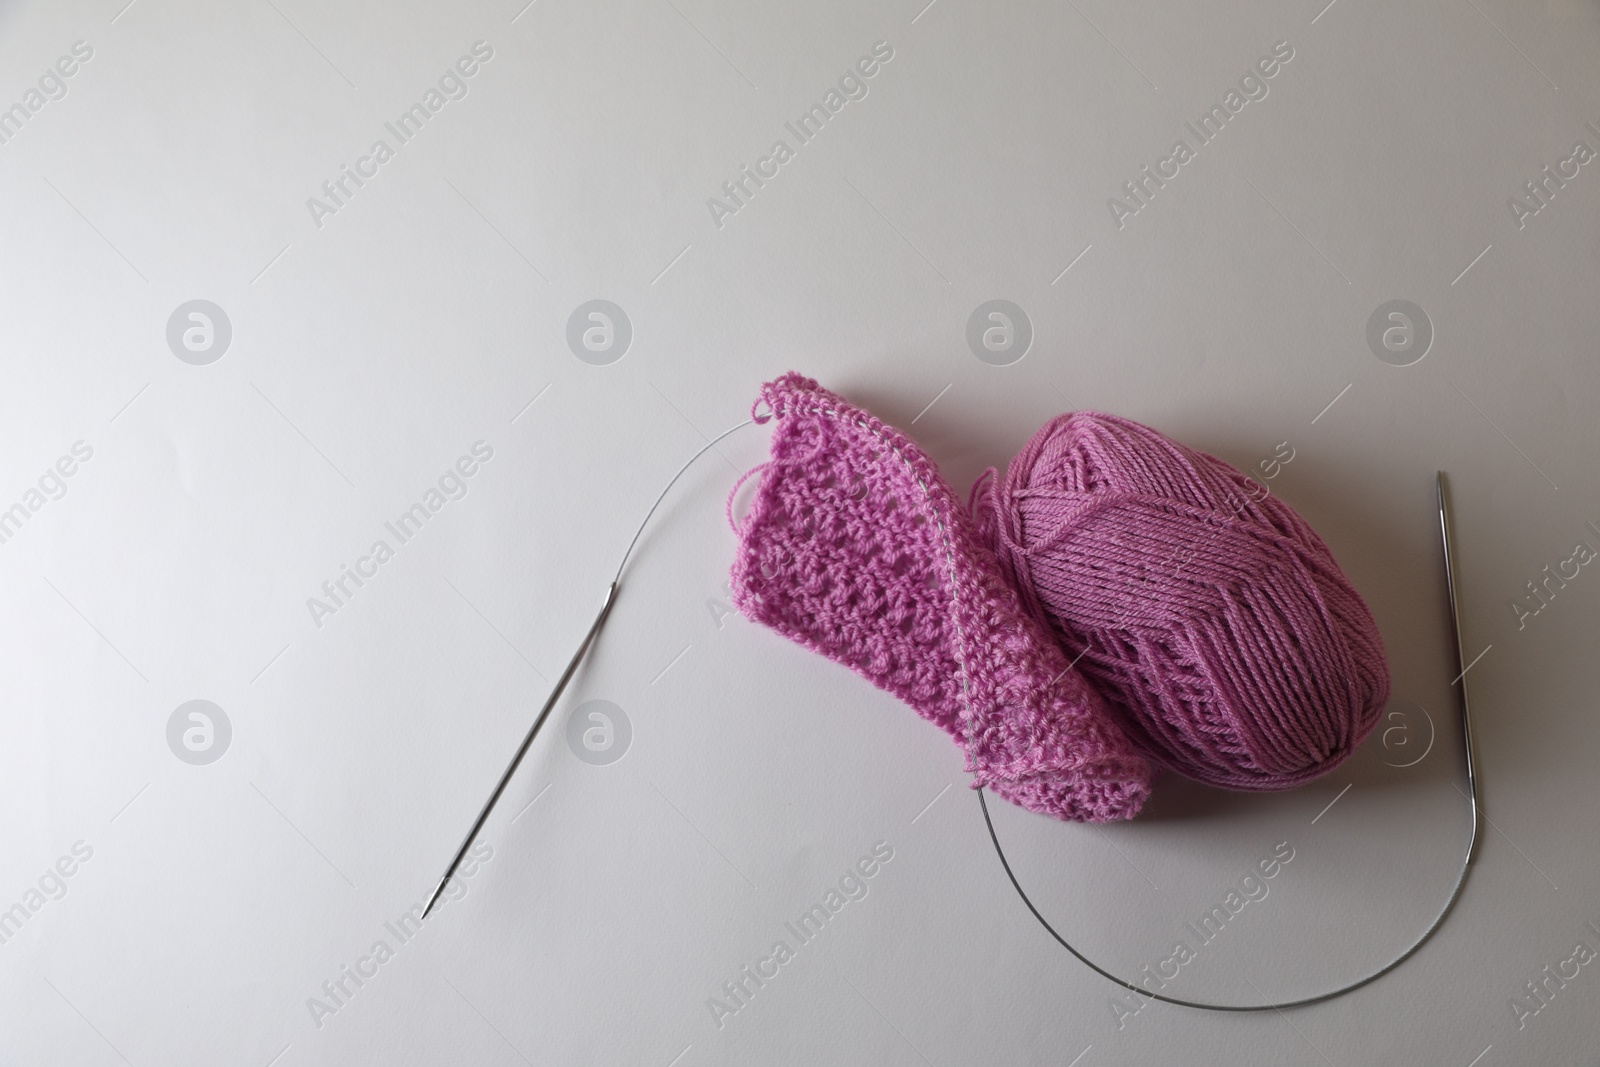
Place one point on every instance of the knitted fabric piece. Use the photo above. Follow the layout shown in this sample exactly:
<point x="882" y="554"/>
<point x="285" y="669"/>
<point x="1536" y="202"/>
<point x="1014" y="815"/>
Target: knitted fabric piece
<point x="855" y="547"/>
<point x="1209" y="614"/>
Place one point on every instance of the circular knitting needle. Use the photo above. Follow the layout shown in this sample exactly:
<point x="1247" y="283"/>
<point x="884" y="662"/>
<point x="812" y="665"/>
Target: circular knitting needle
<point x="566" y="675"/>
<point x="1462" y="665"/>
<point x="522" y="750"/>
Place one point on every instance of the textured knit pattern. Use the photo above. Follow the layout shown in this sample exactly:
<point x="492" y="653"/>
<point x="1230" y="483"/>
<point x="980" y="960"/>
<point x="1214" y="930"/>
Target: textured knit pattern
<point x="855" y="547"/>
<point x="1209" y="614"/>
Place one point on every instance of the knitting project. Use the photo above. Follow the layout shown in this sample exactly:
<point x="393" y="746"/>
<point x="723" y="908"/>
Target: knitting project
<point x="855" y="547"/>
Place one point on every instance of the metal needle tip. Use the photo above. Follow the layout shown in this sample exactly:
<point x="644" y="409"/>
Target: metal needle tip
<point x="555" y="694"/>
<point x="511" y="769"/>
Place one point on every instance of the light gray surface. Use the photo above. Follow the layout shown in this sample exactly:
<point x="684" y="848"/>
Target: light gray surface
<point x="372" y="347"/>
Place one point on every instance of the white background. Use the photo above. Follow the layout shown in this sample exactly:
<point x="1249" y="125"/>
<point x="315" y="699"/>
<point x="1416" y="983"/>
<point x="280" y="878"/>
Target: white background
<point x="429" y="312"/>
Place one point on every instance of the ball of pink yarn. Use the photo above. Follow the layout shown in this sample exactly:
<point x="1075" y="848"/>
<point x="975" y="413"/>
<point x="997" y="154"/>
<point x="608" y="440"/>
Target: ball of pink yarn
<point x="1208" y="613"/>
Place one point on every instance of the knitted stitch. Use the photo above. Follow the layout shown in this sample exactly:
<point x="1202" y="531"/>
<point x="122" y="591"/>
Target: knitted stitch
<point x="855" y="547"/>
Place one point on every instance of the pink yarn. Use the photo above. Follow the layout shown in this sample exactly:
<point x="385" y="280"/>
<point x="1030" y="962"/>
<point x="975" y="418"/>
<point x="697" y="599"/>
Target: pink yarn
<point x="1217" y="634"/>
<point x="1209" y="614"/>
<point x="856" y="548"/>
